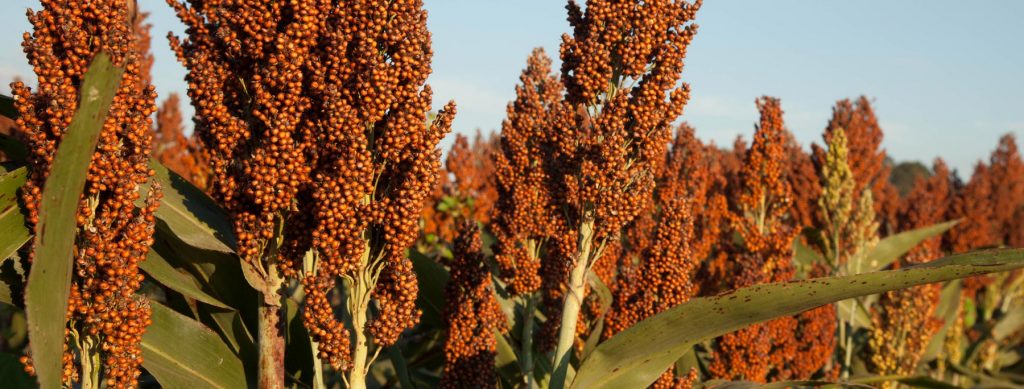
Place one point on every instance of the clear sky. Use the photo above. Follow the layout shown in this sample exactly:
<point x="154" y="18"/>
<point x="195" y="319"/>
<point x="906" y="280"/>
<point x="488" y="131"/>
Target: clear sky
<point x="946" y="77"/>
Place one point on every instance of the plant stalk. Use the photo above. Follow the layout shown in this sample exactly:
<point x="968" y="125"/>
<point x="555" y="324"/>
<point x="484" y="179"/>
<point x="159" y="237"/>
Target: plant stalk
<point x="527" y="341"/>
<point x="573" y="302"/>
<point x="271" y="336"/>
<point x="361" y="286"/>
<point x="90" y="360"/>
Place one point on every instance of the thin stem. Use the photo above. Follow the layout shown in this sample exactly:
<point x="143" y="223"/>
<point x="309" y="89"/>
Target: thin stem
<point x="526" y="352"/>
<point x="573" y="302"/>
<point x="271" y="337"/>
<point x="90" y="360"/>
<point x="359" y="302"/>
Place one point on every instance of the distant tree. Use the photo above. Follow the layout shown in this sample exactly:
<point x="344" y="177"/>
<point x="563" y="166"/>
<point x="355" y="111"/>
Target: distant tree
<point x="905" y="173"/>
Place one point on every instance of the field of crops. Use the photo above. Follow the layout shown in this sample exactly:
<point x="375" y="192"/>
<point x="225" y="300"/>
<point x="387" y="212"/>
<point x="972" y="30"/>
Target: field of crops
<point x="307" y="233"/>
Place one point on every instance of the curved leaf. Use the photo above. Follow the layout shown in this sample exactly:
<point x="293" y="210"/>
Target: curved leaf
<point x="7" y="108"/>
<point x="46" y="296"/>
<point x="190" y="214"/>
<point x="183" y="353"/>
<point x="13" y="148"/>
<point x="894" y="246"/>
<point x="12" y="373"/>
<point x="637" y="356"/>
<point x="13" y="232"/>
<point x="157" y="267"/>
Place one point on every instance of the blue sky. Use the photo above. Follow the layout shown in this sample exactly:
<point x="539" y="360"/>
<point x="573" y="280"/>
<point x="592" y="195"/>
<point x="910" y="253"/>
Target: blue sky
<point x="946" y="77"/>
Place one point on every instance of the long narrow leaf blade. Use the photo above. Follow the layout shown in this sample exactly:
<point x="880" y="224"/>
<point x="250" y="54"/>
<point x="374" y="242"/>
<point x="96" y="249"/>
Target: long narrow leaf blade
<point x="183" y="353"/>
<point x="893" y="247"/>
<point x="159" y="269"/>
<point x="637" y="356"/>
<point x="46" y="296"/>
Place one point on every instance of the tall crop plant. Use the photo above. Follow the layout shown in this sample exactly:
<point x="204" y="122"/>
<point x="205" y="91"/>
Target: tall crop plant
<point x="584" y="247"/>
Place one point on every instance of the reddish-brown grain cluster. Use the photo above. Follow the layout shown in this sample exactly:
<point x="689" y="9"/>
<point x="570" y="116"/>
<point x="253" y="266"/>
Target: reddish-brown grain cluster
<point x="621" y="69"/>
<point x="760" y="216"/>
<point x="114" y="233"/>
<point x="524" y="215"/>
<point x="686" y="222"/>
<point x="467" y="191"/>
<point x="903" y="322"/>
<point x="179" y="153"/>
<point x="472" y="316"/>
<point x="314" y="117"/>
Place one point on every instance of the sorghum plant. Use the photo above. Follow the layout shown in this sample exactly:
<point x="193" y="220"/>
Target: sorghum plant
<point x="472" y="315"/>
<point x="621" y="70"/>
<point x="321" y="153"/>
<point x="106" y="319"/>
<point x="760" y="215"/>
<point x="903" y="321"/>
<point x="866" y="159"/>
<point x="687" y="222"/>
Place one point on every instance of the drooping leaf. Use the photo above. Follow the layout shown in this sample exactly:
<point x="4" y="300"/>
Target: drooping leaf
<point x="190" y="214"/>
<point x="7" y="109"/>
<point x="12" y="373"/>
<point x="46" y="296"/>
<point x="638" y="355"/>
<point x="432" y="278"/>
<point x="13" y="148"/>
<point x="159" y="269"/>
<point x="183" y="353"/>
<point x="13" y="232"/>
<point x="894" y="246"/>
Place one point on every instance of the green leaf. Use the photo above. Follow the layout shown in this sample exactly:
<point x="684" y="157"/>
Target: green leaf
<point x="805" y="256"/>
<point x="183" y="353"/>
<point x="13" y="148"/>
<point x="718" y="384"/>
<point x="911" y="381"/>
<point x="13" y="232"/>
<point x="46" y="297"/>
<point x="190" y="214"/>
<point x="947" y="311"/>
<point x="1008" y="325"/>
<point x="891" y="248"/>
<point x="432" y="278"/>
<point x="159" y="269"/>
<point x="12" y="373"/>
<point x="637" y="356"/>
<point x="7" y="107"/>
<point x="604" y="295"/>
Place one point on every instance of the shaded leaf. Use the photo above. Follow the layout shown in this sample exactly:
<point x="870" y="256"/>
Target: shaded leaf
<point x="7" y="107"/>
<point x="46" y="296"/>
<point x="13" y="148"/>
<point x="183" y="353"/>
<point x="159" y="269"/>
<point x="432" y="278"/>
<point x="638" y="355"/>
<point x="190" y="214"/>
<point x="12" y="373"/>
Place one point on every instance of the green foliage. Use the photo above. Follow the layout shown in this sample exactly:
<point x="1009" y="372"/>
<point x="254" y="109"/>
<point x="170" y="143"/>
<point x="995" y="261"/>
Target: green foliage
<point x="638" y="355"/>
<point x="46" y="298"/>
